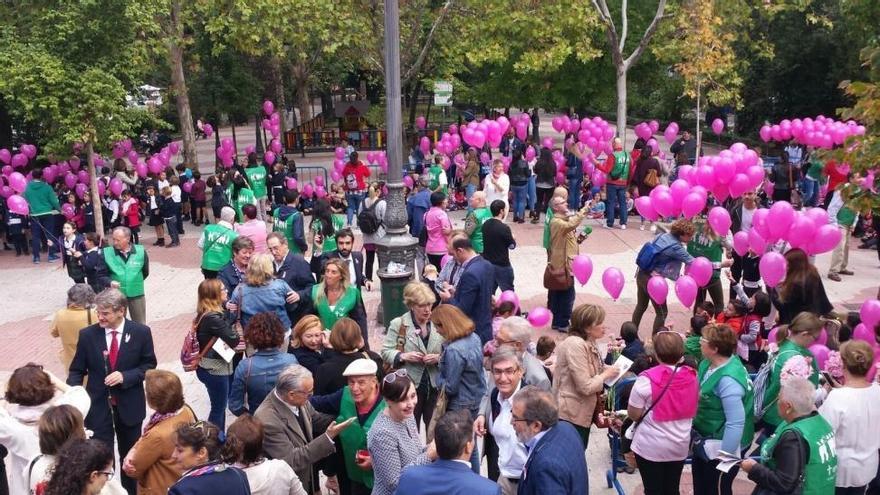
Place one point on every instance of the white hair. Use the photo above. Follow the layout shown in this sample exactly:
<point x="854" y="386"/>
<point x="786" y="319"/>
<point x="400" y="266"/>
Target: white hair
<point x="291" y="379"/>
<point x="227" y="214"/>
<point x="799" y="393"/>
<point x="518" y="328"/>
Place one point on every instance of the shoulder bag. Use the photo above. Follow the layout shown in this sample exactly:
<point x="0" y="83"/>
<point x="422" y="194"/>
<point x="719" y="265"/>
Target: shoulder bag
<point x="242" y="345"/>
<point x="557" y="278"/>
<point x="401" y="343"/>
<point x="439" y="410"/>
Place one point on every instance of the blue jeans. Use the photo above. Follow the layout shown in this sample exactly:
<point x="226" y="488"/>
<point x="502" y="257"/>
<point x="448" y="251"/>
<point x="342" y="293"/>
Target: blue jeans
<point x="47" y="231"/>
<point x="533" y="192"/>
<point x="811" y="192"/>
<point x="503" y="278"/>
<point x="561" y="302"/>
<point x="354" y="200"/>
<point x="616" y="200"/>
<point x="218" y="393"/>
<point x="519" y="200"/>
<point x="469" y="191"/>
<point x="574" y="193"/>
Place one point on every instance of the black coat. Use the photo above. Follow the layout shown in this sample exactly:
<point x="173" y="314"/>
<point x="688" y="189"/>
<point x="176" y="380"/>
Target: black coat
<point x="329" y="379"/>
<point x="95" y="268"/>
<point x="317" y="264"/>
<point x="229" y="277"/>
<point x="295" y="270"/>
<point x="212" y="325"/>
<point x="135" y="357"/>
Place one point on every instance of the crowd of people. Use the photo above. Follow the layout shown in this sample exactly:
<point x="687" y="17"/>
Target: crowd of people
<point x="280" y="340"/>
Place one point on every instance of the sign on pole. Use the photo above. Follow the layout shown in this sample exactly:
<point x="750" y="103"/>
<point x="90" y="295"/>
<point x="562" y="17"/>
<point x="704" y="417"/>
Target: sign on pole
<point x="443" y="93"/>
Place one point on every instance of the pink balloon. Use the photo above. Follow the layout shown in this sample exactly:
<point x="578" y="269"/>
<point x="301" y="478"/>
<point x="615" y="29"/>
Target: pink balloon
<point x="686" y="290"/>
<point x="19" y="160"/>
<point x="693" y="204"/>
<point x="174" y="147"/>
<point x="645" y="208"/>
<point x="719" y="220"/>
<point x="187" y="186"/>
<point x="70" y="180"/>
<point x="269" y="157"/>
<point x="320" y="192"/>
<point x="663" y="203"/>
<point x="81" y="190"/>
<point x="421" y="123"/>
<point x="49" y="174"/>
<point x="863" y="333"/>
<point x="801" y="232"/>
<point x="408" y="182"/>
<point x="827" y="237"/>
<point x="335" y="176"/>
<point x="820" y="353"/>
<point x="701" y="271"/>
<point x="155" y="165"/>
<point x="141" y="169"/>
<point x="612" y="281"/>
<point x="717" y="126"/>
<point x="780" y="219"/>
<point x="319" y="181"/>
<point x="208" y="130"/>
<point x="679" y="189"/>
<point x="582" y="268"/>
<point x="547" y="142"/>
<point x="540" y="316"/>
<point x="870" y="312"/>
<point x="133" y="156"/>
<point x="275" y="145"/>
<point x="82" y="176"/>
<point x="268" y="107"/>
<point x="757" y="243"/>
<point x="5" y="156"/>
<point x="771" y="337"/>
<point x="116" y="186"/>
<point x="658" y="289"/>
<point x="7" y="169"/>
<point x="290" y="183"/>
<point x="425" y="144"/>
<point x="17" y="182"/>
<point x="823" y="337"/>
<point x="506" y="296"/>
<point x="18" y="205"/>
<point x="772" y="268"/>
<point x="68" y="211"/>
<point x="6" y="191"/>
<point x="741" y="243"/>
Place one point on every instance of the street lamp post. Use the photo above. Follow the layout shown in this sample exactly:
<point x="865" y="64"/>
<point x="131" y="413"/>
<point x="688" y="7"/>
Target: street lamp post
<point x="397" y="245"/>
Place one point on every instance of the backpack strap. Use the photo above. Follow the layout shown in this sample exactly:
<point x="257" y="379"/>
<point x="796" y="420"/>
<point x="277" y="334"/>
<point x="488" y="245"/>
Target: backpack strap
<point x="211" y="342"/>
<point x="31" y="470"/>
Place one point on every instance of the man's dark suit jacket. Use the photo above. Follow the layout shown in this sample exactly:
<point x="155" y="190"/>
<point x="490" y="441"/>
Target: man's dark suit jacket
<point x="135" y="357"/>
<point x="474" y="295"/>
<point x="556" y="465"/>
<point x="295" y="270"/>
<point x="317" y="264"/>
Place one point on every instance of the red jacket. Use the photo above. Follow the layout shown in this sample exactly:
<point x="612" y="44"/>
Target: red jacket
<point x="608" y="166"/>
<point x="132" y="213"/>
<point x="353" y="176"/>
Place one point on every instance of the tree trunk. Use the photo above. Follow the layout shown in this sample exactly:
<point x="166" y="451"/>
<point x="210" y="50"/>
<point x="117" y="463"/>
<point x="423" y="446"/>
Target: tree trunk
<point x="300" y="76"/>
<point x="258" y="146"/>
<point x="699" y="126"/>
<point x="97" y="205"/>
<point x="621" y="105"/>
<point x="234" y="138"/>
<point x="280" y="101"/>
<point x="217" y="163"/>
<point x="178" y="84"/>
<point x="414" y="103"/>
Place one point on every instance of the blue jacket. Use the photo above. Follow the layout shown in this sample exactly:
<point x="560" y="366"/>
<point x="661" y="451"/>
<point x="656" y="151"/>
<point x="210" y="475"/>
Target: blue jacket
<point x="574" y="167"/>
<point x="461" y="372"/>
<point x="229" y="277"/>
<point x="416" y="206"/>
<point x="231" y="481"/>
<point x="556" y="464"/>
<point x="473" y="295"/>
<point x="255" y="377"/>
<point x="443" y="477"/>
<point x="270" y="297"/>
<point x="671" y="253"/>
<point x="506" y="149"/>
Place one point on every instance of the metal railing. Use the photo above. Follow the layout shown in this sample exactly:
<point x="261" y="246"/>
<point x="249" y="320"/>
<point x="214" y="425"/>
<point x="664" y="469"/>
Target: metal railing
<point x="305" y="175"/>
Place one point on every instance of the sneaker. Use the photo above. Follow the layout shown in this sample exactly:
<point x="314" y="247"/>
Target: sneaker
<point x="623" y="227"/>
<point x="653" y="228"/>
<point x="846" y="272"/>
<point x="36" y="261"/>
<point x="606" y="225"/>
<point x="834" y="276"/>
<point x="53" y="259"/>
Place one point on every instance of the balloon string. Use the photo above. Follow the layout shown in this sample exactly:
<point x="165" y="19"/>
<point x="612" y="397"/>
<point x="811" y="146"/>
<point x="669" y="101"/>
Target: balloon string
<point x="49" y="236"/>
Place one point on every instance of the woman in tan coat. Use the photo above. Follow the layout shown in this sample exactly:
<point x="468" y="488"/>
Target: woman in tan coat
<point x="149" y="461"/>
<point x="579" y="370"/>
<point x="67" y="323"/>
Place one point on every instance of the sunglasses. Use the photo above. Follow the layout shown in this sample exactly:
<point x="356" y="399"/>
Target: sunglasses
<point x="392" y="377"/>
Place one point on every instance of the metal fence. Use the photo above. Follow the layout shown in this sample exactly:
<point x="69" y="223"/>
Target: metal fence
<point x="307" y="174"/>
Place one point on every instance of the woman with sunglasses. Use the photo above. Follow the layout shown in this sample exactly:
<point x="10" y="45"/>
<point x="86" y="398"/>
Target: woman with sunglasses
<point x="393" y="440"/>
<point x="199" y="452"/>
<point x="84" y="467"/>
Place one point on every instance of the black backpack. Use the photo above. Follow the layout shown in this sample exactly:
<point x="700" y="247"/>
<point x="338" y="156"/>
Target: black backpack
<point x="368" y="221"/>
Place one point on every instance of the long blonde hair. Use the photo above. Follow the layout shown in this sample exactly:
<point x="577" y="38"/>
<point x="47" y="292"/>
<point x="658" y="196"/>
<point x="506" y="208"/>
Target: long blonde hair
<point x="210" y="297"/>
<point x="260" y="270"/>
<point x="343" y="272"/>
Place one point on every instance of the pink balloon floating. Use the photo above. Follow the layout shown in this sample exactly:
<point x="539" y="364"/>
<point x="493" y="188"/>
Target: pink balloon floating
<point x="658" y="289"/>
<point x="686" y="290"/>
<point x="582" y="268"/>
<point x="613" y="281"/>
<point x="772" y="268"/>
<point x="539" y="317"/>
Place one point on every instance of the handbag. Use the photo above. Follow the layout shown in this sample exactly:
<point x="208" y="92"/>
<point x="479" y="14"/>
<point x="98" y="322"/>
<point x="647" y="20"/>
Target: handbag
<point x="651" y="179"/>
<point x="599" y="418"/>
<point x="557" y="278"/>
<point x="439" y="410"/>
<point x="387" y="367"/>
<point x="242" y="345"/>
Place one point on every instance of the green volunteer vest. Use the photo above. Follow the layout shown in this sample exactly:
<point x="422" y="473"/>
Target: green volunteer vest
<point x="820" y="473"/>
<point x="354" y="437"/>
<point x="330" y="242"/>
<point x="621" y="166"/>
<point x="703" y="245"/>
<point x="434" y="177"/>
<point x="286" y="228"/>
<point x="128" y="274"/>
<point x="343" y="306"/>
<point x="692" y="348"/>
<point x="846" y="217"/>
<point x="481" y="215"/>
<point x="547" y="219"/>
<point x="217" y="248"/>
<point x="245" y="197"/>
<point x="787" y="350"/>
<point x="710" y="419"/>
<point x="256" y="177"/>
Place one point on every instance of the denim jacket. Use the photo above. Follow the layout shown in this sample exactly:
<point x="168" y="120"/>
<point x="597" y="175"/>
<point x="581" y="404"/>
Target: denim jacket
<point x="671" y="253"/>
<point x="461" y="373"/>
<point x="255" y="377"/>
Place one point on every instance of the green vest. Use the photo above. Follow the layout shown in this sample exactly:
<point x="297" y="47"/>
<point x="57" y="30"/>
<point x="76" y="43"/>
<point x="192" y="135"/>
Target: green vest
<point x="256" y="177"/>
<point x="329" y="242"/>
<point x="434" y="177"/>
<point x="787" y="350"/>
<point x="692" y="348"/>
<point x="354" y="437"/>
<point x="245" y="197"/>
<point x="710" y="419"/>
<point x="547" y="219"/>
<point x="481" y="215"/>
<point x="703" y="245"/>
<point x="343" y="306"/>
<point x="217" y="247"/>
<point x="846" y="217"/>
<point x="621" y="166"/>
<point x="129" y="274"/>
<point x="820" y="473"/>
<point x="286" y="228"/>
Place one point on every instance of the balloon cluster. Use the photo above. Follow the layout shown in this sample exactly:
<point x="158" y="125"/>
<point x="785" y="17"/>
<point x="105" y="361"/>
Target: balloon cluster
<point x="272" y="122"/>
<point x="421" y="122"/>
<point x="821" y="132"/>
<point x="595" y="133"/>
<point x="225" y="152"/>
<point x="26" y="152"/>
<point x="16" y="180"/>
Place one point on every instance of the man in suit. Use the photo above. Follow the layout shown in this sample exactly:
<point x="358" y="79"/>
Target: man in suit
<point x="292" y="430"/>
<point x="115" y="354"/>
<point x="510" y="143"/>
<point x="451" y="473"/>
<point x="294" y="270"/>
<point x="344" y="246"/>
<point x="555" y="461"/>
<point x="473" y="295"/>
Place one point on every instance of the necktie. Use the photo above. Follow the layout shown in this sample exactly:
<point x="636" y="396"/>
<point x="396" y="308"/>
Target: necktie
<point x="114" y="350"/>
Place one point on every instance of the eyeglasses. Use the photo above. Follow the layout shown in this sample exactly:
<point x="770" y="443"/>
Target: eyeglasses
<point x="514" y="419"/>
<point x="308" y="394"/>
<point x="505" y="372"/>
<point x="108" y="474"/>
<point x="392" y="377"/>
